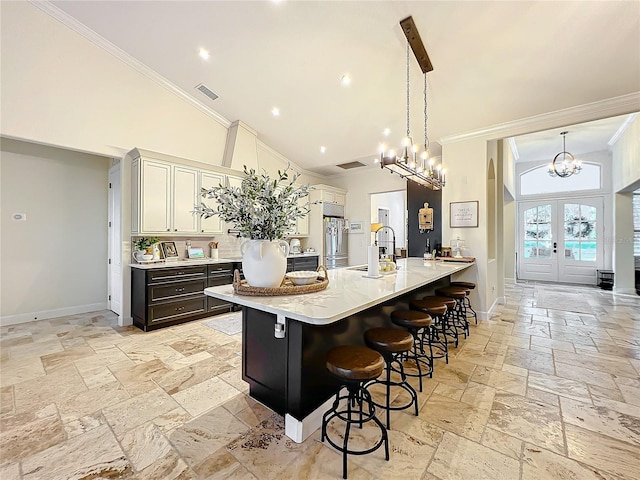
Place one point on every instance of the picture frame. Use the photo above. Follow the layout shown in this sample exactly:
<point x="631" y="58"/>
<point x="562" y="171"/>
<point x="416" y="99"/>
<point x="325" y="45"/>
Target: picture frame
<point x="463" y="214"/>
<point x="356" y="227"/>
<point x="169" y="250"/>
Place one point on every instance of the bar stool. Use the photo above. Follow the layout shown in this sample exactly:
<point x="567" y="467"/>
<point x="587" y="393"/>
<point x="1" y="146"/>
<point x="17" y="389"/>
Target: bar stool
<point x="468" y="286"/>
<point x="459" y="312"/>
<point x="392" y="343"/>
<point x="418" y="324"/>
<point x="450" y="329"/>
<point x="437" y="308"/>
<point x="354" y="365"/>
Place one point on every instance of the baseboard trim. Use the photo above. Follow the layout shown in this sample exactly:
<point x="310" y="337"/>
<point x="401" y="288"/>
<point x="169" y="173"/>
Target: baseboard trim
<point x="47" y="314"/>
<point x="300" y="430"/>
<point x="624" y="291"/>
<point x="487" y="315"/>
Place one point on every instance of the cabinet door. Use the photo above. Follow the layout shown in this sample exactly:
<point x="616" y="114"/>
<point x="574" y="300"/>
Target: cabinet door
<point x="339" y="198"/>
<point x="208" y="181"/>
<point x="328" y="197"/>
<point x="185" y="198"/>
<point x="234" y="181"/>
<point x="135" y="197"/>
<point x="303" y="223"/>
<point x="155" y="197"/>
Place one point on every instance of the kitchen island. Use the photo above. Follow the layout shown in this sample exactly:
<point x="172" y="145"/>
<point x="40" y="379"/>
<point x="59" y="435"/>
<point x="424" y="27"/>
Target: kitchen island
<point x="288" y="374"/>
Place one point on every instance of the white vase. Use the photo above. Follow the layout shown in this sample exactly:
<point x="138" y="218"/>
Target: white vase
<point x="264" y="262"/>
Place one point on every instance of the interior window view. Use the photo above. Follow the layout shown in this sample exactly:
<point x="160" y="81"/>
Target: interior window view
<point x="268" y="240"/>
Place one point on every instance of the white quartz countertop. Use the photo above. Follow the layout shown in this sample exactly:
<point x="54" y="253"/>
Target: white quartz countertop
<point x="348" y="291"/>
<point x="182" y="262"/>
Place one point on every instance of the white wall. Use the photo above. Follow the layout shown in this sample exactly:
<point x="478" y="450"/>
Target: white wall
<point x="396" y="203"/>
<point x="53" y="263"/>
<point x="360" y="184"/>
<point x="60" y="89"/>
<point x="626" y="178"/>
<point x="626" y="159"/>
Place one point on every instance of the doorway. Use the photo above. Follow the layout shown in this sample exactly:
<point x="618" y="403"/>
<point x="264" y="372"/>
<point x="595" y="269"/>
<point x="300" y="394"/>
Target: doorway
<point x="114" y="281"/>
<point x="561" y="240"/>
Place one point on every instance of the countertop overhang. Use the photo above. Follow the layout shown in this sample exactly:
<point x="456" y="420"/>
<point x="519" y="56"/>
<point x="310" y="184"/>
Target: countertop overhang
<point x="349" y="291"/>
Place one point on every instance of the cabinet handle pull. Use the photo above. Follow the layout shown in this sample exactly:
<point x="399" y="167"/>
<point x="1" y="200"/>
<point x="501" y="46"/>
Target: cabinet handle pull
<point x="179" y="309"/>
<point x="180" y="289"/>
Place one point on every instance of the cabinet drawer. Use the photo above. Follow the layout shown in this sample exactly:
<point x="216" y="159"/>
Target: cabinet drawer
<point x="215" y="305"/>
<point x="177" y="273"/>
<point x="176" y="310"/>
<point x="219" y="268"/>
<point x="219" y="280"/>
<point x="174" y="290"/>
<point x="306" y="263"/>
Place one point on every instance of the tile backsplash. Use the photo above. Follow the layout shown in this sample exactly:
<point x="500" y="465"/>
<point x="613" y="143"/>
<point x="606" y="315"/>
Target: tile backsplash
<point x="228" y="245"/>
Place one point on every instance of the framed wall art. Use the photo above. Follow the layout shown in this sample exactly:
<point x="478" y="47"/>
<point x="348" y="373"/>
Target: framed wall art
<point x="169" y="250"/>
<point x="463" y="214"/>
<point x="356" y="227"/>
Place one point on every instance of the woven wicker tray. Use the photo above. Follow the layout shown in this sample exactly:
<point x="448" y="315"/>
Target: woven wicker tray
<point x="286" y="287"/>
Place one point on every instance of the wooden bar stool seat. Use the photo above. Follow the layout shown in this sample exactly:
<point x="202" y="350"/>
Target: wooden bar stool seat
<point x="419" y="325"/>
<point x="391" y="343"/>
<point x="467" y="285"/>
<point x="354" y="365"/>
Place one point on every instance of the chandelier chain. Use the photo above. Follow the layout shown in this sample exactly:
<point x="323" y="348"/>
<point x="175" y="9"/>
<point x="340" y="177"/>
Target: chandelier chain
<point x="408" y="130"/>
<point x="426" y="138"/>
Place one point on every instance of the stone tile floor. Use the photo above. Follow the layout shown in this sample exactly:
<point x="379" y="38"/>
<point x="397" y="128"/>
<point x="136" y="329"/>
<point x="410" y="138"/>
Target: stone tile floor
<point x="537" y="392"/>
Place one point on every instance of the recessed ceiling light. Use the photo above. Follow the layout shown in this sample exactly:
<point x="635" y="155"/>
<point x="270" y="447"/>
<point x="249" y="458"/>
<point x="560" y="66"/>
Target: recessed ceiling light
<point x="345" y="80"/>
<point x="204" y="54"/>
<point x="323" y="149"/>
<point x="386" y="132"/>
<point x="275" y="111"/>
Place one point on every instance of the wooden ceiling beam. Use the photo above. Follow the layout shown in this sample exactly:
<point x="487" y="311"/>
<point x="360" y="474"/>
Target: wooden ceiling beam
<point x="413" y="37"/>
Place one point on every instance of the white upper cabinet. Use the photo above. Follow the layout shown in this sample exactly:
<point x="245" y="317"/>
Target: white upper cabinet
<point x="184" y="198"/>
<point x="234" y="181"/>
<point x="163" y="197"/>
<point x="208" y="180"/>
<point x="327" y="194"/>
<point x="154" y="197"/>
<point x="302" y="224"/>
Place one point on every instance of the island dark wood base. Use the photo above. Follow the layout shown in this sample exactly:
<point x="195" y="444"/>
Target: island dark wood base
<point x="289" y="374"/>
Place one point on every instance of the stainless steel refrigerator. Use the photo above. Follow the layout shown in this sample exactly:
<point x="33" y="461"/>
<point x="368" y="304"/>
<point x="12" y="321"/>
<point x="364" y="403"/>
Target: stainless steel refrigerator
<point x="335" y="242"/>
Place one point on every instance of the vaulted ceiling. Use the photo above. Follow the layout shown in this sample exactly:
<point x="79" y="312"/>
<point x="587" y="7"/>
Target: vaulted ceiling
<point x="494" y="62"/>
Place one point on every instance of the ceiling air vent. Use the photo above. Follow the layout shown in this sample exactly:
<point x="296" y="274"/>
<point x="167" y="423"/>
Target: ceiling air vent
<point x="350" y="165"/>
<point x="204" y="89"/>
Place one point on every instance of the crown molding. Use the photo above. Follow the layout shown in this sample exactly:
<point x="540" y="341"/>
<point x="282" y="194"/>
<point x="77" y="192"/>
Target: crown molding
<point x="568" y="116"/>
<point x="124" y="57"/>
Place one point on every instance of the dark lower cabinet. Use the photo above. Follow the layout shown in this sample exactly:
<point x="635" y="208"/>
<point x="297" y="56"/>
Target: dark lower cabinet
<point x="297" y="264"/>
<point x="166" y="296"/>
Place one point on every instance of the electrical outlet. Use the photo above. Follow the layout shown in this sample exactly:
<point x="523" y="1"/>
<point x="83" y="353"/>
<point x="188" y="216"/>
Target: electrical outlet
<point x="493" y="288"/>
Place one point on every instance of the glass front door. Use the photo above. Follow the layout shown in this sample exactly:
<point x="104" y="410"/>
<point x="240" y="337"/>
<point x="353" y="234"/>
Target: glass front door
<point x="560" y="240"/>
